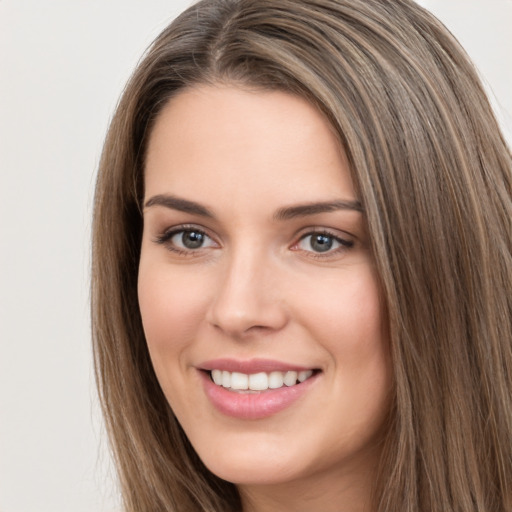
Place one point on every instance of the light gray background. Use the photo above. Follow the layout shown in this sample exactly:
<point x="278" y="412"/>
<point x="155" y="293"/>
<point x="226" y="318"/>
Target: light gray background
<point x="62" y="67"/>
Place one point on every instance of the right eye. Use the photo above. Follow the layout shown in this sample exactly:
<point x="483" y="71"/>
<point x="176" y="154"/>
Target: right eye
<point x="185" y="240"/>
<point x="190" y="239"/>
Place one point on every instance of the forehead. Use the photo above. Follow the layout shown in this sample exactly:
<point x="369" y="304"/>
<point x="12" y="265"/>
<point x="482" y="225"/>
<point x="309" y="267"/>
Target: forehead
<point x="223" y="141"/>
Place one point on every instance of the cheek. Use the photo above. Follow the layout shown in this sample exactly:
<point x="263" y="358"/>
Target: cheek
<point x="348" y="319"/>
<point x="347" y="313"/>
<point x="171" y="307"/>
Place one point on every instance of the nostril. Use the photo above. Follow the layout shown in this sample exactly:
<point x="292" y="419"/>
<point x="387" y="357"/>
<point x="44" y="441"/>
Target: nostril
<point x="243" y="305"/>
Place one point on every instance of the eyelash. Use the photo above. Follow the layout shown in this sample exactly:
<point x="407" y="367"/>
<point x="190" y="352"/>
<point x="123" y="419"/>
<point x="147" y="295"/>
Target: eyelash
<point x="344" y="244"/>
<point x="166" y="237"/>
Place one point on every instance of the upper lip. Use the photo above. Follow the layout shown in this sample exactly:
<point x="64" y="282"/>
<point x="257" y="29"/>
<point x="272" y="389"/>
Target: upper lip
<point x="251" y="366"/>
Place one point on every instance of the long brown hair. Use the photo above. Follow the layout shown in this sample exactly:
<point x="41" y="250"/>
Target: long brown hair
<point x="434" y="175"/>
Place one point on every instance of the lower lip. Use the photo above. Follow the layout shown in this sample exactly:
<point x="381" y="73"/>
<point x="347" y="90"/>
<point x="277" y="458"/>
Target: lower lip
<point x="255" y="405"/>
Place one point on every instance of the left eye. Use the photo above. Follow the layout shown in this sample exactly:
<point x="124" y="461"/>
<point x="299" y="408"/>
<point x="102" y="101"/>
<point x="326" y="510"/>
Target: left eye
<point x="321" y="243"/>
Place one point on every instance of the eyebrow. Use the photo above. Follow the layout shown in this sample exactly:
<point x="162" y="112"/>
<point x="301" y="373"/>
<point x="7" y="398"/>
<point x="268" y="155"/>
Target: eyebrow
<point x="177" y="203"/>
<point x="303" y="210"/>
<point x="285" y="213"/>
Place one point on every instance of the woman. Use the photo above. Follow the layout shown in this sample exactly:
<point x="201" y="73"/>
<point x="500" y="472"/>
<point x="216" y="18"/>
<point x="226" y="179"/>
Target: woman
<point x="302" y="266"/>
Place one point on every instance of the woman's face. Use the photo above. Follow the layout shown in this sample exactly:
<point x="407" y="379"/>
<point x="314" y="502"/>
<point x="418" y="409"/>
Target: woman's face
<point x="256" y="273"/>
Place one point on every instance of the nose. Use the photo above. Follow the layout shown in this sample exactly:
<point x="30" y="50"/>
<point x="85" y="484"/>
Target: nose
<point x="248" y="297"/>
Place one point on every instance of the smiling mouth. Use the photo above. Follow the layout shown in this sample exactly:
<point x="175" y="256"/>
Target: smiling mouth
<point x="261" y="381"/>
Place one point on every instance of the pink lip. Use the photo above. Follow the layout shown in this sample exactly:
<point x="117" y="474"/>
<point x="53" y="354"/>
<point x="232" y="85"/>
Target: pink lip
<point x="253" y="405"/>
<point x="250" y="366"/>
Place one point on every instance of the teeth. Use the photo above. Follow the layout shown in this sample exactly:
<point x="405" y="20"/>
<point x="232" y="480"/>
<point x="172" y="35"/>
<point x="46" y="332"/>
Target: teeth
<point x="226" y="379"/>
<point x="239" y="381"/>
<point x="217" y="377"/>
<point x="302" y="376"/>
<point x="276" y="380"/>
<point x="290" y="378"/>
<point x="258" y="381"/>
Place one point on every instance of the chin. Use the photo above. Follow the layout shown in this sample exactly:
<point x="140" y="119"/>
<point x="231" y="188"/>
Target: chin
<point x="250" y="472"/>
<point x="254" y="461"/>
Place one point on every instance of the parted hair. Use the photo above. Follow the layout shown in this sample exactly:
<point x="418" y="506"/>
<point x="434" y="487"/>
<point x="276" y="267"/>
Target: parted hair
<point x="433" y="173"/>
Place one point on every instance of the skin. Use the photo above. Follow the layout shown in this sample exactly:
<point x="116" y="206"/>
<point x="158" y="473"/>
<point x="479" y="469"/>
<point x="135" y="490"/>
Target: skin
<point x="259" y="288"/>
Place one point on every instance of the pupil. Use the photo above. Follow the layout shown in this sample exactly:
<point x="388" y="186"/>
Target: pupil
<point x="321" y="243"/>
<point x="192" y="239"/>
